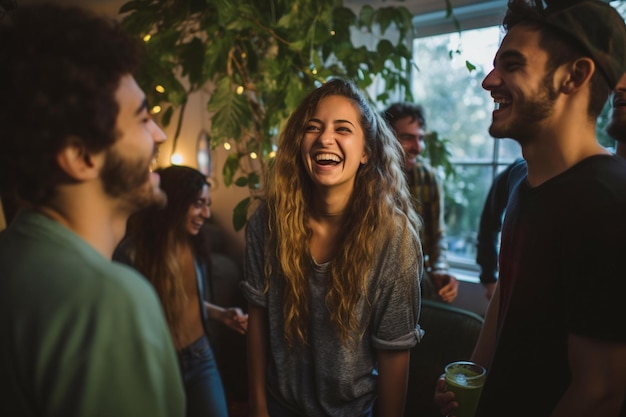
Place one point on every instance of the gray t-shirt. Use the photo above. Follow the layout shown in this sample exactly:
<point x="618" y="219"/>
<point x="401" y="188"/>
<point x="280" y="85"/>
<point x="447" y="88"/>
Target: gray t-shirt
<point x="328" y="378"/>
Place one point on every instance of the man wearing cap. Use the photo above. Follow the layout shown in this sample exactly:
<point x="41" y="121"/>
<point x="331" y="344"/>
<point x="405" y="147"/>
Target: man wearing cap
<point x="554" y="341"/>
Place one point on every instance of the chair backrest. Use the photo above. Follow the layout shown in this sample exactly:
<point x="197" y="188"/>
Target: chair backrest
<point x="450" y="335"/>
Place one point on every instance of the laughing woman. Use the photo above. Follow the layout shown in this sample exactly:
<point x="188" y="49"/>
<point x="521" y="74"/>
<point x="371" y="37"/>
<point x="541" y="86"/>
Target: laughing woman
<point x="333" y="262"/>
<point x="166" y="245"/>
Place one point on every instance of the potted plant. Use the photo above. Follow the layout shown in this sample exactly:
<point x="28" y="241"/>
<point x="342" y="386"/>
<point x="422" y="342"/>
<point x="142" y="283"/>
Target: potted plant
<point x="259" y="58"/>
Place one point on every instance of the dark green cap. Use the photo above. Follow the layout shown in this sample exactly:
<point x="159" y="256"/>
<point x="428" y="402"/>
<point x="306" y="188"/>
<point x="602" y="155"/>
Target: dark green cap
<point x="597" y="28"/>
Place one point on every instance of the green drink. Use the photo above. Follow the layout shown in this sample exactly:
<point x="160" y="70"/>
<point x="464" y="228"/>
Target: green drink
<point x="466" y="380"/>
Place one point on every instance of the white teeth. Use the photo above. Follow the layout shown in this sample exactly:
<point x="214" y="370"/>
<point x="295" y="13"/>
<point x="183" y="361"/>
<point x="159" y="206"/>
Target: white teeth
<point x="499" y="101"/>
<point x="327" y="157"/>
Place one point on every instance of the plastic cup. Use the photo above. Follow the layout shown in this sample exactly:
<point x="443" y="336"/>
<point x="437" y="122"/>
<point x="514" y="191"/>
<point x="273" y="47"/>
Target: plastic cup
<point x="466" y="380"/>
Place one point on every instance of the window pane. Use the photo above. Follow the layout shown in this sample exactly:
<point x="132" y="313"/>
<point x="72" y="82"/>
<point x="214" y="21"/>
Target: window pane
<point x="464" y="202"/>
<point x="459" y="109"/>
<point x="508" y="150"/>
<point x="456" y="105"/>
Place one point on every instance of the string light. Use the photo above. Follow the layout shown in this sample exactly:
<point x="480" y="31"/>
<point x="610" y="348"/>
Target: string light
<point x="240" y="90"/>
<point x="227" y="146"/>
<point x="147" y="38"/>
<point x="253" y="155"/>
<point x="156" y="109"/>
<point x="332" y="33"/>
<point x="160" y="89"/>
<point x="176" y="159"/>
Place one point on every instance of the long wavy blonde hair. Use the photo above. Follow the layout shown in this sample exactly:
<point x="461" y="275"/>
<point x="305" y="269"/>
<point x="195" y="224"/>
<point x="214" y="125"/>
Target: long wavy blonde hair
<point x="379" y="193"/>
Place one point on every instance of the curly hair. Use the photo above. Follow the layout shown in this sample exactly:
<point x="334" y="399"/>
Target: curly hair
<point x="59" y="70"/>
<point x="155" y="234"/>
<point x="380" y="193"/>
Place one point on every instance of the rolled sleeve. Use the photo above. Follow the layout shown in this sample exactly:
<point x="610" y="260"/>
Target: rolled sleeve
<point x="253" y="286"/>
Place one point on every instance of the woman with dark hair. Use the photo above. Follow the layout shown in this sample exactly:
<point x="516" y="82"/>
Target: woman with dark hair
<point x="333" y="262"/>
<point x="167" y="246"/>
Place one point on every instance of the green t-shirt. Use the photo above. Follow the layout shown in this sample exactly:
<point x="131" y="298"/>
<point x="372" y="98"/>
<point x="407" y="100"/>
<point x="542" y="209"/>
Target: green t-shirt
<point x="81" y="335"/>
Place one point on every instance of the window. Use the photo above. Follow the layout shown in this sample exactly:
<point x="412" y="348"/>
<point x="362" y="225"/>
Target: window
<point x="459" y="110"/>
<point x="451" y="67"/>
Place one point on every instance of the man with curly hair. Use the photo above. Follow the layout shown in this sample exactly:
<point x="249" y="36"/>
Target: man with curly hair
<point x="81" y="335"/>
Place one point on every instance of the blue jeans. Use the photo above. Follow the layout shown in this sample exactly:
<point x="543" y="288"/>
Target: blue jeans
<point x="202" y="381"/>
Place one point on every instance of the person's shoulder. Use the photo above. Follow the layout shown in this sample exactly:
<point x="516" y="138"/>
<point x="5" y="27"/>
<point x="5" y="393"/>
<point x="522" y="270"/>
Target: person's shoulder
<point x="259" y="219"/>
<point x="602" y="168"/>
<point x="402" y="232"/>
<point x="123" y="280"/>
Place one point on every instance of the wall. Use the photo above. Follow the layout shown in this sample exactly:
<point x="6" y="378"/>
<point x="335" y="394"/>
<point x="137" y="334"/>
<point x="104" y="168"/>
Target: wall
<point x="224" y="199"/>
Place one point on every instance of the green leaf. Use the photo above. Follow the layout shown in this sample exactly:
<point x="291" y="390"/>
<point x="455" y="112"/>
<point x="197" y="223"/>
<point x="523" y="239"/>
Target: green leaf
<point x="230" y="168"/>
<point x="470" y="67"/>
<point x="254" y="181"/>
<point x="366" y="16"/>
<point x="167" y="116"/>
<point x="231" y="112"/>
<point x="191" y="56"/>
<point x="240" y="214"/>
<point x="135" y="5"/>
<point x="241" y="182"/>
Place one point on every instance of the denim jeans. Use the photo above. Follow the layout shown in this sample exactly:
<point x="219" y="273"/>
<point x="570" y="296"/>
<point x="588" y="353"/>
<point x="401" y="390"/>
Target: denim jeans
<point x="202" y="381"/>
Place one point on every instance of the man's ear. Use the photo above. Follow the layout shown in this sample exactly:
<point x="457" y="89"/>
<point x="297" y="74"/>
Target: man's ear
<point x="580" y="72"/>
<point x="77" y="162"/>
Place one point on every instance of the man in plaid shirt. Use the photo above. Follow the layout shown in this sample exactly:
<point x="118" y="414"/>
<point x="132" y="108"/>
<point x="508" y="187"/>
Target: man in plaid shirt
<point x="408" y="123"/>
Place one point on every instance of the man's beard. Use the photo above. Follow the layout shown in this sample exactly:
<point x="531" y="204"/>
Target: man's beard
<point x="616" y="128"/>
<point x="129" y="181"/>
<point x="529" y="112"/>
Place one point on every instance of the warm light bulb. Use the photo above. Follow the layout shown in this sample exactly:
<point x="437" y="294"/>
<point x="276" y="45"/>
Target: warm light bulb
<point x="253" y="155"/>
<point x="147" y="38"/>
<point x="244" y="55"/>
<point x="156" y="109"/>
<point x="332" y="33"/>
<point x="314" y="71"/>
<point x="160" y="89"/>
<point x="176" y="159"/>
<point x="240" y="90"/>
<point x="227" y="146"/>
<point x="272" y="154"/>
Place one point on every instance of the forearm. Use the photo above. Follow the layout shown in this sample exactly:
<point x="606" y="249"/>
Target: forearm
<point x="393" y="373"/>
<point x="483" y="353"/>
<point x="257" y="354"/>
<point x="598" y="379"/>
<point x="588" y="403"/>
<point x="214" y="311"/>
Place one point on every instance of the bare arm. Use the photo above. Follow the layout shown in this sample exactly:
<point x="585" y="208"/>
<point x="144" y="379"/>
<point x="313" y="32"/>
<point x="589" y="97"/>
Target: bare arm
<point x="393" y="373"/>
<point x="232" y="317"/>
<point x="257" y="348"/>
<point x="598" y="384"/>
<point x="483" y="352"/>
